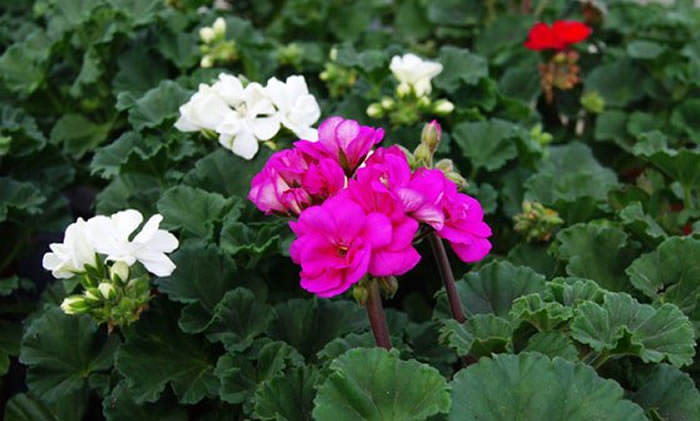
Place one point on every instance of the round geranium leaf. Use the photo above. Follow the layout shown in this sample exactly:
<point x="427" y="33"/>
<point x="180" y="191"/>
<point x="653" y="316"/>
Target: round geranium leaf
<point x="531" y="386"/>
<point x="375" y="385"/>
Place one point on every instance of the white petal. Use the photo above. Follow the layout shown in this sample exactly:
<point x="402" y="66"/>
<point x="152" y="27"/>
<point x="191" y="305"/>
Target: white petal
<point x="306" y="111"/>
<point x="126" y="222"/>
<point x="307" y="133"/>
<point x="265" y="128"/>
<point x="149" y="229"/>
<point x="231" y="124"/>
<point x="163" y="241"/>
<point x="155" y="262"/>
<point x="245" y="145"/>
<point x="277" y="92"/>
<point x="229" y="88"/>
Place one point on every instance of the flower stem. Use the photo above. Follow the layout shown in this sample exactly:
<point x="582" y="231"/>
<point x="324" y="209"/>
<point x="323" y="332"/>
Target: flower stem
<point x="448" y="278"/>
<point x="375" y="313"/>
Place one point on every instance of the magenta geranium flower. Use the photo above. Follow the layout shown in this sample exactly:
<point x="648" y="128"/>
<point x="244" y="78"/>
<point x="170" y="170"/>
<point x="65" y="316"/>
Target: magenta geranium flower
<point x="464" y="225"/>
<point x="347" y="141"/>
<point x="334" y="244"/>
<point x="293" y="180"/>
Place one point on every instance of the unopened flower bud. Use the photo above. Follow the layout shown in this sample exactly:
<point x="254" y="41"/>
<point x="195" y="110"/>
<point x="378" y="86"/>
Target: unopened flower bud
<point x="423" y="156"/>
<point x="387" y="103"/>
<point x="430" y="136"/>
<point x="457" y="178"/>
<point x="443" y="107"/>
<point x="207" y="34"/>
<point x="536" y="222"/>
<point x="389" y="285"/>
<point x="403" y="90"/>
<point x="333" y="54"/>
<point x="206" y="62"/>
<point x="138" y="286"/>
<point x="92" y="295"/>
<point x="445" y="165"/>
<point x="219" y="27"/>
<point x="375" y="110"/>
<point x="359" y="291"/>
<point x="119" y="272"/>
<point x="592" y="101"/>
<point x="107" y="290"/>
<point x="424" y="102"/>
<point x="75" y="304"/>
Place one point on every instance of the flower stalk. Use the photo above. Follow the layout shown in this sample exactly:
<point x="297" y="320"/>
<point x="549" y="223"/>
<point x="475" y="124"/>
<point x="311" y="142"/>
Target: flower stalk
<point x="448" y="279"/>
<point x="377" y="319"/>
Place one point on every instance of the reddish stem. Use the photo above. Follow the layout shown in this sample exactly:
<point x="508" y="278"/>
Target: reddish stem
<point x="377" y="320"/>
<point x="448" y="279"/>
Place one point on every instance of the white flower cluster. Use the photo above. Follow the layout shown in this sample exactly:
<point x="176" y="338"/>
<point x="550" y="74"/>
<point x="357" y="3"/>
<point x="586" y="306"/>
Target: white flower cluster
<point x="243" y="116"/>
<point x="110" y="236"/>
<point x="414" y="74"/>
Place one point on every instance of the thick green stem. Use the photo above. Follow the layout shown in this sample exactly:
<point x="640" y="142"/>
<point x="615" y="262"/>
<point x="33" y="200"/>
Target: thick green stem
<point x="375" y="313"/>
<point x="448" y="279"/>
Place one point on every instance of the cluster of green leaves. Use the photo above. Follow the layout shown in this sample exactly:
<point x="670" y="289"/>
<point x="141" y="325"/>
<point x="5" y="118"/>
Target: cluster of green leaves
<point x="598" y="323"/>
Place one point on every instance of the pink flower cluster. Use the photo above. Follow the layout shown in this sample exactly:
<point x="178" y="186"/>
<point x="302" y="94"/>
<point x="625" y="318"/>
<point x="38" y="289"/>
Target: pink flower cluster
<point x="359" y="215"/>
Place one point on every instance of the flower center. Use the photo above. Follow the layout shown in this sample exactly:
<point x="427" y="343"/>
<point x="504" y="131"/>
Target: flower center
<point x="342" y="250"/>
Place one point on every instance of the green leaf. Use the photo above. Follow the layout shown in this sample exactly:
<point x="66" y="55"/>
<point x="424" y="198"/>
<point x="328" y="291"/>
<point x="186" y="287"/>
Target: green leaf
<point x="671" y="274"/>
<point x="157" y="352"/>
<point x="242" y="375"/>
<point x="552" y="344"/>
<point x="480" y="335"/>
<point x="23" y="66"/>
<point x="120" y="406"/>
<point x="682" y="165"/>
<point x="139" y="12"/>
<point x="572" y="291"/>
<point x="375" y="385"/>
<point x="454" y="12"/>
<point x="618" y="82"/>
<point x="530" y="386"/>
<point x="611" y="125"/>
<point x="487" y="144"/>
<point x="669" y="392"/>
<point x="195" y="211"/>
<point x="224" y="173"/>
<point x="683" y="118"/>
<point x="78" y="135"/>
<point x="61" y="351"/>
<point x="310" y="324"/>
<point x="642" y="224"/>
<point x="23" y="407"/>
<point x="90" y="72"/>
<point x="460" y="66"/>
<point x="139" y="71"/>
<point x="249" y="244"/>
<point x="595" y="252"/>
<point x="622" y="326"/>
<point x="643" y="49"/>
<point x="22" y="129"/>
<point x="287" y="397"/>
<point x="236" y="320"/>
<point x="571" y="172"/>
<point x="492" y="289"/>
<point x="545" y="316"/>
<point x="339" y="346"/>
<point x="19" y="196"/>
<point x="157" y="105"/>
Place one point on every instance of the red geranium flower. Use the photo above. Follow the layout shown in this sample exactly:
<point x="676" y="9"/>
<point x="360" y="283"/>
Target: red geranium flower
<point x="559" y="36"/>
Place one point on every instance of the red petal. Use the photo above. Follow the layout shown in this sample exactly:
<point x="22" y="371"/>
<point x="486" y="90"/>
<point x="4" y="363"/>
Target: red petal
<point x="570" y="32"/>
<point x="541" y="37"/>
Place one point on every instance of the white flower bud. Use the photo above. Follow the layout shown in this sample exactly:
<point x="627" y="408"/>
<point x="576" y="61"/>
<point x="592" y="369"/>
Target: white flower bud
<point x="119" y="272"/>
<point x="92" y="294"/>
<point x="403" y="90"/>
<point x="375" y="110"/>
<point x="206" y="62"/>
<point x="219" y="27"/>
<point x="207" y="34"/>
<point x="388" y="103"/>
<point x="424" y="102"/>
<point x="74" y="304"/>
<point x="443" y="107"/>
<point x="107" y="290"/>
<point x="333" y="54"/>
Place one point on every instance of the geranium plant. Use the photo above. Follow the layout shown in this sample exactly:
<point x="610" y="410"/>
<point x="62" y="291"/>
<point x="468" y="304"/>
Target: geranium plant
<point x="329" y="210"/>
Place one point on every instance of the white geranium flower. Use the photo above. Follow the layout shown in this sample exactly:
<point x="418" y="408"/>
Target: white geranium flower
<point x="110" y="236"/>
<point x="205" y="110"/>
<point x="412" y="71"/>
<point x="70" y="257"/>
<point x="254" y="118"/>
<point x="298" y="110"/>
